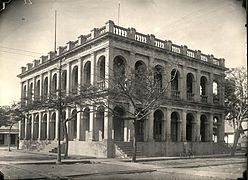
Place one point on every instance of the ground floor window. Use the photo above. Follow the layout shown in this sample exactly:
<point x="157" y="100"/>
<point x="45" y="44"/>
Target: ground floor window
<point x="12" y="139"/>
<point x="1" y="139"/>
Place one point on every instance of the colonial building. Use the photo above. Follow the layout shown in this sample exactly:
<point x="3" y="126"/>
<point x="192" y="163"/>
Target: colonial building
<point x="192" y="117"/>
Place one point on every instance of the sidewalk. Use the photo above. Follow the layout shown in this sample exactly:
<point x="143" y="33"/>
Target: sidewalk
<point x="35" y="165"/>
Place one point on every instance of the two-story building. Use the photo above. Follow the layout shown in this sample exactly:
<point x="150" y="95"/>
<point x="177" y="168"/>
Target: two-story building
<point x="191" y="117"/>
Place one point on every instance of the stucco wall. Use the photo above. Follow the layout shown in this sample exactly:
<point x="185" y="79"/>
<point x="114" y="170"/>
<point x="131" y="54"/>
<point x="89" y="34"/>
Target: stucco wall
<point x="95" y="149"/>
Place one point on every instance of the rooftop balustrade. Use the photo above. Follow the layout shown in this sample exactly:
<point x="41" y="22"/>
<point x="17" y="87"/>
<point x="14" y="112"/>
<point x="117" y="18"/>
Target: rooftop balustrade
<point x="129" y="33"/>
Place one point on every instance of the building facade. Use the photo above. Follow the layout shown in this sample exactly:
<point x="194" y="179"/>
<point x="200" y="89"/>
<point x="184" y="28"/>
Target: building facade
<point x="192" y="117"/>
<point x="4" y="135"/>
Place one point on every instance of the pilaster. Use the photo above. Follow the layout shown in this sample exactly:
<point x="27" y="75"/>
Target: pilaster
<point x="168" y="124"/>
<point x="184" y="121"/>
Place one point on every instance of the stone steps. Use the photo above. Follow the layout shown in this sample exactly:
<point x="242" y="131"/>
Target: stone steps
<point x="127" y="148"/>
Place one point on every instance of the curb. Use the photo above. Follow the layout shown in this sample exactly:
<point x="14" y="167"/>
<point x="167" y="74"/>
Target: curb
<point x="54" y="162"/>
<point x="112" y="173"/>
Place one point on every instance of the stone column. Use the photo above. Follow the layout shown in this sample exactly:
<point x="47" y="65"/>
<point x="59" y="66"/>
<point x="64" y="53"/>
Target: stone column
<point x="26" y="128"/>
<point x="167" y="79"/>
<point x="93" y="68"/>
<point x="168" y="124"/>
<point x="197" y="85"/>
<point x="57" y="125"/>
<point x="40" y="128"/>
<point x="32" y="126"/>
<point x="20" y="129"/>
<point x="183" y="88"/>
<point x="207" y="131"/>
<point x="108" y="125"/>
<point x="48" y="124"/>
<point x="69" y="124"/>
<point x="164" y="126"/>
<point x="79" y="75"/>
<point x="79" y="122"/>
<point x="91" y="129"/>
<point x="179" y="133"/>
<point x="41" y="86"/>
<point x="150" y="125"/>
<point x="221" y="129"/>
<point x="184" y="121"/>
<point x="211" y="118"/>
<point x="210" y="90"/>
<point x="49" y="82"/>
<point x="126" y="130"/>
<point x="197" y="127"/>
<point x="68" y="78"/>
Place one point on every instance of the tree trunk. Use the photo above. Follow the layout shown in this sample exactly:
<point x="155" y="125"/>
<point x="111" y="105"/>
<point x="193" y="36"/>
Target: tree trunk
<point x="236" y="139"/>
<point x="134" y="141"/>
<point x="66" y="140"/>
<point x="9" y="140"/>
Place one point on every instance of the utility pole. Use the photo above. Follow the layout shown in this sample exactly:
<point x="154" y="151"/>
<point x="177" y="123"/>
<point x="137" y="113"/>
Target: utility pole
<point x="59" y="92"/>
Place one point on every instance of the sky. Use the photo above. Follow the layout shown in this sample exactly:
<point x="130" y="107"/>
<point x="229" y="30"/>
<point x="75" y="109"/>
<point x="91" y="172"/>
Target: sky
<point x="27" y="31"/>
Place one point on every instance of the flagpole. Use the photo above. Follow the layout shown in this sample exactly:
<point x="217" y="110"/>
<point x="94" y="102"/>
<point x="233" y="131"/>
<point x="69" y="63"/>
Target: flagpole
<point x="119" y="8"/>
<point x="59" y="92"/>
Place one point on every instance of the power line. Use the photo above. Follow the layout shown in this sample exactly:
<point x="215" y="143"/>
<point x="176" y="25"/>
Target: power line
<point x="20" y="50"/>
<point x="18" y="53"/>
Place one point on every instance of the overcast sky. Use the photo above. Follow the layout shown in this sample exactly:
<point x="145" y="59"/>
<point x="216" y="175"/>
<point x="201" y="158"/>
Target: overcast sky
<point x="212" y="26"/>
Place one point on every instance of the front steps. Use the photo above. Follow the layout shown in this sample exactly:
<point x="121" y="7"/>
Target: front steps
<point x="126" y="149"/>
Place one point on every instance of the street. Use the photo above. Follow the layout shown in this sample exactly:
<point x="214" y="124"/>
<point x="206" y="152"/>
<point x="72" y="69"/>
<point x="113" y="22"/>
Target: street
<point x="26" y="165"/>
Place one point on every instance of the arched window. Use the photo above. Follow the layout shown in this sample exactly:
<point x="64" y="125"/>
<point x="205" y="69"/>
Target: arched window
<point x="158" y="125"/>
<point x="100" y="122"/>
<point x="36" y="128"/>
<point x="31" y="92"/>
<point x="119" y="67"/>
<point x="158" y="76"/>
<point x="74" y="123"/>
<point x="203" y="89"/>
<point x="190" y="86"/>
<point x="52" y="126"/>
<point x="101" y="68"/>
<point x="215" y="88"/>
<point x="87" y="73"/>
<point x="54" y="84"/>
<point x="140" y="77"/>
<point x="37" y="94"/>
<point x="204" y="128"/>
<point x="44" y="127"/>
<point x="175" y="93"/>
<point x="215" y="128"/>
<point x="75" y="79"/>
<point x="175" y="127"/>
<point x="63" y="80"/>
<point x="216" y="92"/>
<point x="189" y="127"/>
<point x="45" y="87"/>
<point x="24" y="92"/>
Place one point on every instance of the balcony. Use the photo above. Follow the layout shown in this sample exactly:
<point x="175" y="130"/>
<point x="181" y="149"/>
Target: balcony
<point x="190" y="96"/>
<point x="216" y="99"/>
<point x="204" y="98"/>
<point x="101" y="84"/>
<point x="175" y="94"/>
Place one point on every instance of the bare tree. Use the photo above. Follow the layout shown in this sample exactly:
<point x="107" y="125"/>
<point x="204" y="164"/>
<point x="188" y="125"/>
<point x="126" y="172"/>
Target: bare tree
<point x="237" y="102"/>
<point x="144" y="89"/>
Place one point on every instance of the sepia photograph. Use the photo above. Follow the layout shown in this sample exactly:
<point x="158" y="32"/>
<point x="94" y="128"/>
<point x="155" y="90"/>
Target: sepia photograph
<point x="123" y="89"/>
